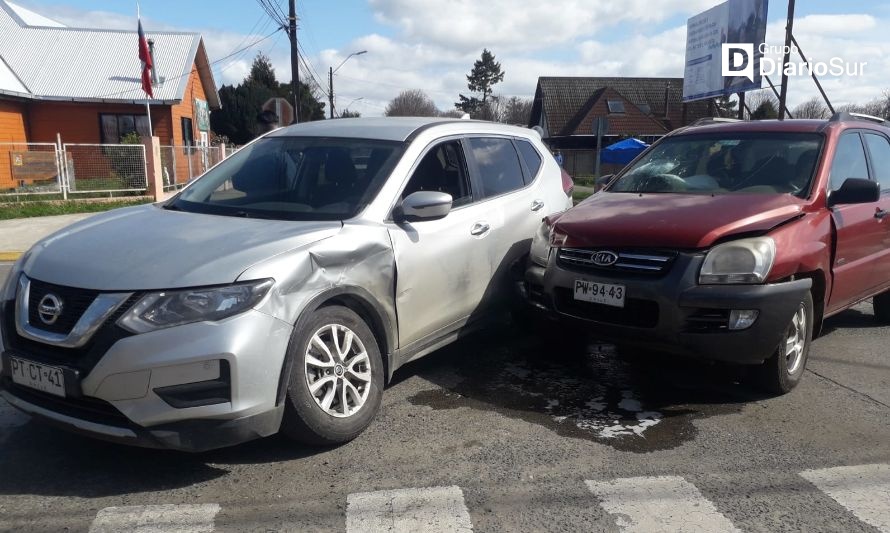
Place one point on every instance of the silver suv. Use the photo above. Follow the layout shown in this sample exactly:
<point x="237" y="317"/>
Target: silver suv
<point x="282" y="289"/>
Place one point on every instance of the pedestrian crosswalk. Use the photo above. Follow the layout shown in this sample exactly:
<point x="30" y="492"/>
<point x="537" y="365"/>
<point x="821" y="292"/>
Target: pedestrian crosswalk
<point x="432" y="510"/>
<point x="628" y="504"/>
<point x="156" y="519"/>
<point x="864" y="490"/>
<point x="663" y="503"/>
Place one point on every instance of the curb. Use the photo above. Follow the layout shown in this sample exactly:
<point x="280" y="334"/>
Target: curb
<point x="10" y="256"/>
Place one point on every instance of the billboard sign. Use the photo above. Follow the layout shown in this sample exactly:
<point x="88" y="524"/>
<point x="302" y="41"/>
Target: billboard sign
<point x="202" y="115"/>
<point x="724" y="47"/>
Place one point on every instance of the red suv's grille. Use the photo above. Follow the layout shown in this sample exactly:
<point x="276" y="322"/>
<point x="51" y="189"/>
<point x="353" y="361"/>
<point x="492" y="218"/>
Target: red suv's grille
<point x="638" y="261"/>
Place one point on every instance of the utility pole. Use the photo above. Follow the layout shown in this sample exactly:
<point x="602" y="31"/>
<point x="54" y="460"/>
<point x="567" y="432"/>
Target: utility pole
<point x="331" y="89"/>
<point x="786" y="60"/>
<point x="294" y="57"/>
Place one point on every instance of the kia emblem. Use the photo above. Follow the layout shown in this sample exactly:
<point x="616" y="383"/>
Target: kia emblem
<point x="604" y="258"/>
<point x="49" y="309"/>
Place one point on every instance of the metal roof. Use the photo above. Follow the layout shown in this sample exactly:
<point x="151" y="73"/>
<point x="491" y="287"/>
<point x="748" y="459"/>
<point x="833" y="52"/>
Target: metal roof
<point x="86" y="64"/>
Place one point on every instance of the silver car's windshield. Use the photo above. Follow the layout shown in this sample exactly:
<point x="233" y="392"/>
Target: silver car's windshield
<point x="761" y="163"/>
<point x="294" y="178"/>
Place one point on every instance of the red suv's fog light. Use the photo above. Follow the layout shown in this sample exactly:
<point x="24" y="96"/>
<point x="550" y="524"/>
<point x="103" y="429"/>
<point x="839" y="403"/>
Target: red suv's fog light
<point x="742" y="318"/>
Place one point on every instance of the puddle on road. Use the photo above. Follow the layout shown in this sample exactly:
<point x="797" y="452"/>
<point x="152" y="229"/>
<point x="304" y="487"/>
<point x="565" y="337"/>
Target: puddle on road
<point x="638" y="405"/>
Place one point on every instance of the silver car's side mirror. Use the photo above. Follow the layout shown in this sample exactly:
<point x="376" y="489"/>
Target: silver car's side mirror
<point x="424" y="205"/>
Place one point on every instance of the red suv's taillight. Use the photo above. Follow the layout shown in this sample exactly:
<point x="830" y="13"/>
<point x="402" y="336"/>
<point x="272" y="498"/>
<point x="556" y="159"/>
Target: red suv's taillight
<point x="568" y="184"/>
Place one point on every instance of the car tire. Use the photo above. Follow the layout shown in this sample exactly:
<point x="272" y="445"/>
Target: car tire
<point x="350" y="369"/>
<point x="784" y="369"/>
<point x="881" y="304"/>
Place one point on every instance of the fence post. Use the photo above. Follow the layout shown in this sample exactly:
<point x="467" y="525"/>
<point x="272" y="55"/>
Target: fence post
<point x="190" y="153"/>
<point x="153" y="169"/>
<point x="222" y="151"/>
<point x="62" y="166"/>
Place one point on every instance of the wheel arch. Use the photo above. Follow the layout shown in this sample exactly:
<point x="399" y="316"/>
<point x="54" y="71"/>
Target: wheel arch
<point x="362" y="303"/>
<point x="819" y="297"/>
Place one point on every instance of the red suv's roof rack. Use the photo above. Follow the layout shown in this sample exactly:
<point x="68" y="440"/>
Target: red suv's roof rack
<point x="714" y="120"/>
<point x="845" y="116"/>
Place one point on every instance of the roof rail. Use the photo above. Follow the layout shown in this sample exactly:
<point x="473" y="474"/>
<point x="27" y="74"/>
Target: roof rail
<point x="845" y="116"/>
<point x="714" y="120"/>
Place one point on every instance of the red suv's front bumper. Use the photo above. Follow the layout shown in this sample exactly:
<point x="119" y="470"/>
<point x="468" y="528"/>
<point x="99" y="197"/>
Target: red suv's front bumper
<point x="670" y="311"/>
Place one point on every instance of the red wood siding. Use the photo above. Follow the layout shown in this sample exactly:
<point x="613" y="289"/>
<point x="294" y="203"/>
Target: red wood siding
<point x="12" y="122"/>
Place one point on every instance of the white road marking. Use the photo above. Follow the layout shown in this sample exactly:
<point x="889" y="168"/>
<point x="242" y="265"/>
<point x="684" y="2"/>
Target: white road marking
<point x="156" y="519"/>
<point x="864" y="490"/>
<point x="659" y="504"/>
<point x="10" y="418"/>
<point x="429" y="510"/>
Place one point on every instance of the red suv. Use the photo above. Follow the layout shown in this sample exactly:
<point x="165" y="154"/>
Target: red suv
<point x="727" y="241"/>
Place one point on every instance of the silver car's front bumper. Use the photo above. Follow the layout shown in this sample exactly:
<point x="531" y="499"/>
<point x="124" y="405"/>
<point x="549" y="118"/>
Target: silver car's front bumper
<point x="150" y="385"/>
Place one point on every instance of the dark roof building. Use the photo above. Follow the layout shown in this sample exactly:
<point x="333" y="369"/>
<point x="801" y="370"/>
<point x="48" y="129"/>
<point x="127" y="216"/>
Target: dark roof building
<point x="567" y="108"/>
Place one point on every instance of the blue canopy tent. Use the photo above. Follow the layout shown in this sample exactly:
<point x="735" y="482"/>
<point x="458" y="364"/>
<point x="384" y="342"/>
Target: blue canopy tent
<point x="623" y="152"/>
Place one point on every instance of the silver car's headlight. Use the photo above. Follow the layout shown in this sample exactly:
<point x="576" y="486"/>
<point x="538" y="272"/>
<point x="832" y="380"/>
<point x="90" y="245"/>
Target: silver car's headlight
<point x="540" y="250"/>
<point x="741" y="261"/>
<point x="165" y="309"/>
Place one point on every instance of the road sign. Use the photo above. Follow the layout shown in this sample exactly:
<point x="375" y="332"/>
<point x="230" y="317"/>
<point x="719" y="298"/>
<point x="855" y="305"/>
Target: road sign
<point x="282" y="109"/>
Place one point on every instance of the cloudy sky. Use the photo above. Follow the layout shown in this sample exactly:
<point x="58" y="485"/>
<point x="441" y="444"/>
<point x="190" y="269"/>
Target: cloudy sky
<point x="431" y="44"/>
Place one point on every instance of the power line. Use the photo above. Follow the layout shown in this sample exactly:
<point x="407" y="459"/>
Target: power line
<point x="310" y="69"/>
<point x="270" y="9"/>
<point x="189" y="73"/>
<point x="238" y="56"/>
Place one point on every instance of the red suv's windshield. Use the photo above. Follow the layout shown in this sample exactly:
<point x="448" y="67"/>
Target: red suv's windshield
<point x="760" y="163"/>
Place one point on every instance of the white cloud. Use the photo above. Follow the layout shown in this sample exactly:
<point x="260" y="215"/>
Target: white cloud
<point x="861" y="40"/>
<point x="507" y="25"/>
<point x="436" y="41"/>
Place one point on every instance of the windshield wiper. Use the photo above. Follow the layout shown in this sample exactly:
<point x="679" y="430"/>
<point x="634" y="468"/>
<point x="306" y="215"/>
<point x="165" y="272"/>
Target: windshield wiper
<point x="171" y="207"/>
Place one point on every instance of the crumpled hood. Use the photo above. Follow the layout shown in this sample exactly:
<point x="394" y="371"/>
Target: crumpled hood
<point x="146" y="247"/>
<point x="672" y="220"/>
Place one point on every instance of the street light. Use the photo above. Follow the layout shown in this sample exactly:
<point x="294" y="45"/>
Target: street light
<point x="354" y="100"/>
<point x="331" y="71"/>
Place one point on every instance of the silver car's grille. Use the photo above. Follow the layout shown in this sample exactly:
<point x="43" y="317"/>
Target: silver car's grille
<point x="638" y="261"/>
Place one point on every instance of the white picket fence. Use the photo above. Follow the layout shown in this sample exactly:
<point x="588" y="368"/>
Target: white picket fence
<point x="80" y="170"/>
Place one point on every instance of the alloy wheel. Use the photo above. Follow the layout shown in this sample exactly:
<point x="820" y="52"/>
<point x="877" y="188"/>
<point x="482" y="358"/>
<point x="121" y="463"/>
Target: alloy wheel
<point x="796" y="340"/>
<point x="338" y="370"/>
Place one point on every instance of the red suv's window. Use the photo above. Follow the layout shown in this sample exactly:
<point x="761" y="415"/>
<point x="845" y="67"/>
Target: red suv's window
<point x="849" y="161"/>
<point x="879" y="150"/>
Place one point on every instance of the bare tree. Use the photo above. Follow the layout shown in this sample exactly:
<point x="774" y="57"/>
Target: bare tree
<point x="879" y="107"/>
<point x="492" y="109"/>
<point x="762" y="105"/>
<point x="517" y="111"/>
<point x="411" y="103"/>
<point x="812" y="108"/>
<point x="452" y="113"/>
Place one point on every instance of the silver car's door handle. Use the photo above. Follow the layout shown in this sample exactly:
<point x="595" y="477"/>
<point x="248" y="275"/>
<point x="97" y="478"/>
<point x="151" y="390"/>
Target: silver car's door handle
<point x="537" y="205"/>
<point x="479" y="228"/>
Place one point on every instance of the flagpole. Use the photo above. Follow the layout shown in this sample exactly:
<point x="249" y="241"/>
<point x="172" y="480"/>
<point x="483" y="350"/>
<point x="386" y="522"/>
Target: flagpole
<point x="148" y="114"/>
<point x="146" y="58"/>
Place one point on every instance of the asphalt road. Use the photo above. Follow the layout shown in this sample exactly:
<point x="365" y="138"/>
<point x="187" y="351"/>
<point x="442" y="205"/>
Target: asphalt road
<point x="501" y="432"/>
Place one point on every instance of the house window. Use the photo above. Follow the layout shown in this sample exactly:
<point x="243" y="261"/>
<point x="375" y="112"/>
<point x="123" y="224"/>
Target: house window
<point x="646" y="109"/>
<point x="113" y="127"/>
<point x="615" y="106"/>
<point x="188" y="135"/>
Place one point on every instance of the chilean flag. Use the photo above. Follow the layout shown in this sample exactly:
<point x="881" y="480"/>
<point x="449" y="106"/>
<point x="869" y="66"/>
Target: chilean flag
<point x="145" y="57"/>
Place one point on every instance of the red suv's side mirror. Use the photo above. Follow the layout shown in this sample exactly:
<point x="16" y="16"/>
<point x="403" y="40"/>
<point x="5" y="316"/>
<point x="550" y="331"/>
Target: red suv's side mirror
<point x="855" y="191"/>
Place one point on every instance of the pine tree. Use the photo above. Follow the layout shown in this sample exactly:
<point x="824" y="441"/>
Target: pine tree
<point x="485" y="74"/>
